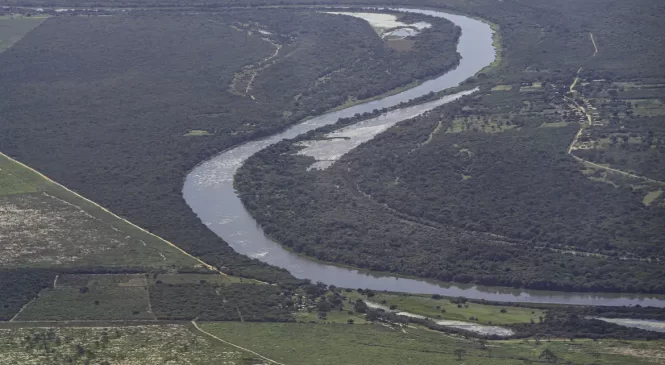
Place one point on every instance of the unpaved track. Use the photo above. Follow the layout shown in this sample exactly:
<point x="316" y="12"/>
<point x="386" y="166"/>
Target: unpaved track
<point x="234" y="345"/>
<point x="590" y="120"/>
<point x="595" y="47"/>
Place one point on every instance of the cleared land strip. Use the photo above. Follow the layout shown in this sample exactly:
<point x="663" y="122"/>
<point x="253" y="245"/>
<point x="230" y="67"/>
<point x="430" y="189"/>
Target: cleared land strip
<point x="108" y="212"/>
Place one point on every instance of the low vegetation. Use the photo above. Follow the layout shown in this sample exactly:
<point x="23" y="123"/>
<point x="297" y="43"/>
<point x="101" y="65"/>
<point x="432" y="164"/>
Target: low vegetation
<point x="50" y="227"/>
<point x="14" y="27"/>
<point x="457" y="309"/>
<point x="91" y="297"/>
<point x="19" y="286"/>
<point x="447" y="210"/>
<point x="144" y="345"/>
<point x="491" y="189"/>
<point x="228" y="302"/>
<point x="300" y="343"/>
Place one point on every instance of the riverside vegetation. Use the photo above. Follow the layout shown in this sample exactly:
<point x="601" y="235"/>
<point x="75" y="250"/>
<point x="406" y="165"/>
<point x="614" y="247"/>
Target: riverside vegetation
<point x="124" y="135"/>
<point x="488" y="190"/>
<point x="119" y="131"/>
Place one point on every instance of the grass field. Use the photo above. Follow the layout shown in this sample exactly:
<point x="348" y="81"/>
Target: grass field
<point x="13" y="28"/>
<point x="300" y="343"/>
<point x="502" y="87"/>
<point x="136" y="345"/>
<point x="10" y="184"/>
<point x="651" y="196"/>
<point x="334" y="316"/>
<point x="92" y="297"/>
<point x="445" y="309"/>
<point x="647" y="107"/>
<point x="49" y="226"/>
<point x="197" y="132"/>
<point x="554" y="125"/>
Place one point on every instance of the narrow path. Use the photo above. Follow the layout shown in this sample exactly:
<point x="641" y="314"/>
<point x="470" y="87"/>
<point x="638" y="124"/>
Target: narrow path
<point x="234" y="345"/>
<point x="617" y="171"/>
<point x="577" y="77"/>
<point x="253" y="70"/>
<point x="570" y="148"/>
<point x="431" y="135"/>
<point x="595" y="47"/>
<point x="264" y="61"/>
<point x="22" y="308"/>
<point x="590" y="121"/>
<point x="147" y="289"/>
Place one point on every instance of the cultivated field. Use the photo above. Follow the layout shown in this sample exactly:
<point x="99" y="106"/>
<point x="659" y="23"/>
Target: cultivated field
<point x="92" y="297"/>
<point x="300" y="343"/>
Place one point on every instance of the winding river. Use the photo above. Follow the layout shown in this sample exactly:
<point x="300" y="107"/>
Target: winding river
<point x="209" y="191"/>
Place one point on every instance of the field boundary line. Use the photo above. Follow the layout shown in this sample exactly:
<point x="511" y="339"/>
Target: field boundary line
<point x="234" y="345"/>
<point x="147" y="289"/>
<point x="208" y="266"/>
<point x="13" y="319"/>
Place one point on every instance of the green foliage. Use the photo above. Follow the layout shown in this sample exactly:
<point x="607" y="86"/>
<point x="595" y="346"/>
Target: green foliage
<point x="133" y="345"/>
<point x="11" y="183"/>
<point x="633" y="144"/>
<point x="234" y="302"/>
<point x="20" y="286"/>
<point x="121" y="91"/>
<point x="13" y="28"/>
<point x="92" y="297"/>
<point x="300" y="343"/>
<point x="445" y="308"/>
<point x="399" y="204"/>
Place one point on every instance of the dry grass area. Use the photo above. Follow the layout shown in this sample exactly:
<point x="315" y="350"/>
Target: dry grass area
<point x="136" y="345"/>
<point x="38" y="229"/>
<point x="44" y="225"/>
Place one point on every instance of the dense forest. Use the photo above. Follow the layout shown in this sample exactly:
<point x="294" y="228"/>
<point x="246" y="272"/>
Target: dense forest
<point x="207" y="302"/>
<point x="547" y="38"/>
<point x="106" y="105"/>
<point x="483" y="190"/>
<point x="480" y="191"/>
<point x="19" y="286"/>
<point x="115" y="133"/>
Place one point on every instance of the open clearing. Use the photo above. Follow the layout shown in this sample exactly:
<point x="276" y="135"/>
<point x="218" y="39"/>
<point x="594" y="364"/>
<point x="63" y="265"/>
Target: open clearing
<point x="144" y="345"/>
<point x="300" y="343"/>
<point x="45" y="225"/>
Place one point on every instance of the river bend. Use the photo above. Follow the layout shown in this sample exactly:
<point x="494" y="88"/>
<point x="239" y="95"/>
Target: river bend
<point x="209" y="191"/>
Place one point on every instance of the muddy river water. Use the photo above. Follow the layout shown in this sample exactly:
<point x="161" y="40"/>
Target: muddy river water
<point x="209" y="191"/>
